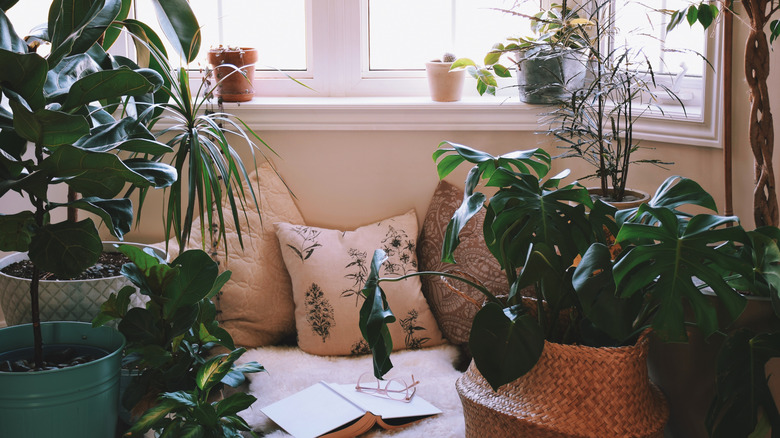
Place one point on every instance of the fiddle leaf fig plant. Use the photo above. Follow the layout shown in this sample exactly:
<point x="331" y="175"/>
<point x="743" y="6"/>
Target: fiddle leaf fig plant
<point x="57" y="128"/>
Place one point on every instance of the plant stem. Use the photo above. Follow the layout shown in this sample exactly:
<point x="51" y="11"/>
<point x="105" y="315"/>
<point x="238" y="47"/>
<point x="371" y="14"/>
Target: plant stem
<point x="40" y="213"/>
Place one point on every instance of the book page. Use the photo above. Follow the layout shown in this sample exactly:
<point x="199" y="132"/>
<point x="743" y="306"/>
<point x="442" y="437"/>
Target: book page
<point x="313" y="412"/>
<point x="384" y="407"/>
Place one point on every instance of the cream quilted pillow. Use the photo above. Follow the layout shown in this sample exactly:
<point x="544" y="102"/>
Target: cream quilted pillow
<point x="256" y="304"/>
<point x="328" y="270"/>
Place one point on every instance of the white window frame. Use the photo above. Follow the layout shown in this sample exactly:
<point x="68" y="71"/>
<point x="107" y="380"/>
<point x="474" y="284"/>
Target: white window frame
<point x="349" y="97"/>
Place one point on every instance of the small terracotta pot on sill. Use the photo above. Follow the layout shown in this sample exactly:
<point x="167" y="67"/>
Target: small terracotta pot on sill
<point x="234" y="85"/>
<point x="445" y="85"/>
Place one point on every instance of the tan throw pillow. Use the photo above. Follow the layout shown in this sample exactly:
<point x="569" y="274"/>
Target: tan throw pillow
<point x="328" y="270"/>
<point x="454" y="313"/>
<point x="256" y="304"/>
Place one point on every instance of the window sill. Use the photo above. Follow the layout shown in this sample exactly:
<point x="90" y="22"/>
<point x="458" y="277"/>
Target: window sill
<point x="422" y="114"/>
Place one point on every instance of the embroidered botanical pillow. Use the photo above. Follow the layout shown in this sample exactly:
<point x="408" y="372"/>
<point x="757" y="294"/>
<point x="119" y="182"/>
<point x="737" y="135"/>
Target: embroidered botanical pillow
<point x="328" y="270"/>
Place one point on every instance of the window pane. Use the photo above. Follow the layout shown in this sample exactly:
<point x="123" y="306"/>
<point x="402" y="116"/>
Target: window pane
<point x="669" y="53"/>
<point x="405" y="34"/>
<point x="28" y="14"/>
<point x="277" y="28"/>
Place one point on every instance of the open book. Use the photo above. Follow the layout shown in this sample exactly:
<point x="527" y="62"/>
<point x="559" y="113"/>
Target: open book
<point x="334" y="411"/>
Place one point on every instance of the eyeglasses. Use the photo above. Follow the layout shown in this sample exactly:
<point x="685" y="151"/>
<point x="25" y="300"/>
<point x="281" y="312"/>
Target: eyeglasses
<point x="394" y="389"/>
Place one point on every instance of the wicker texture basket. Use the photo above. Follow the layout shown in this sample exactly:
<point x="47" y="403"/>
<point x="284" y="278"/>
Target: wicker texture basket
<point x="573" y="391"/>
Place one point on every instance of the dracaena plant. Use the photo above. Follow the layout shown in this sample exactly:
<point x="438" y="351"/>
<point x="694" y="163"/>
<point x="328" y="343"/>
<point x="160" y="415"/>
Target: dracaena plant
<point x="168" y="340"/>
<point x="69" y="119"/>
<point x="539" y="230"/>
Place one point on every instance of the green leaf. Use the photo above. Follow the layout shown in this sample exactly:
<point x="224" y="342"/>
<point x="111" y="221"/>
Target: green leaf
<point x="25" y="74"/>
<point x="116" y="213"/>
<point x="66" y="248"/>
<point x="7" y="4"/>
<point x="774" y="31"/>
<point x="141" y="327"/>
<point x="212" y="372"/>
<point x="596" y="291"/>
<point x="234" y="404"/>
<point x="375" y="314"/>
<point x="693" y="15"/>
<point x="48" y="128"/>
<point x="9" y="40"/>
<point x="505" y="343"/>
<point x="705" y="15"/>
<point x="112" y="33"/>
<point x="673" y="193"/>
<point x="78" y="24"/>
<point x="669" y="257"/>
<point x="115" y="307"/>
<point x="180" y="26"/>
<point x="106" y="85"/>
<point x="16" y="231"/>
<point x="152" y="416"/>
<point x="64" y="74"/>
<point x="462" y="62"/>
<point x="471" y="205"/>
<point x="502" y="71"/>
<point x="182" y="398"/>
<point x="197" y="274"/>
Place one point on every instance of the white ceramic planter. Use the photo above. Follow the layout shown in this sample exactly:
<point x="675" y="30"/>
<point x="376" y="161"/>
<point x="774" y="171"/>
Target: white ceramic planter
<point x="60" y="300"/>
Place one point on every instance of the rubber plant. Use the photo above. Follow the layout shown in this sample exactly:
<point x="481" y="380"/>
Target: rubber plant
<point x="539" y="231"/>
<point x="59" y="125"/>
<point x="169" y="343"/>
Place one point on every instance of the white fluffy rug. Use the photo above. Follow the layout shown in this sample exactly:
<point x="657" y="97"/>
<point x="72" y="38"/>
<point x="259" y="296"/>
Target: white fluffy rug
<point x="291" y="370"/>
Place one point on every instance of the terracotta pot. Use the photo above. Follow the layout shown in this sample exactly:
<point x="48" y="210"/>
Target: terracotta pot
<point x="233" y="73"/>
<point x="686" y="372"/>
<point x="573" y="391"/>
<point x="635" y="198"/>
<point x="445" y="85"/>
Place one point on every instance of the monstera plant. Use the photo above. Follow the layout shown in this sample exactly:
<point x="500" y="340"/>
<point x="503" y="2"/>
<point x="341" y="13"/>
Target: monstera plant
<point x="71" y="118"/>
<point x="591" y="289"/>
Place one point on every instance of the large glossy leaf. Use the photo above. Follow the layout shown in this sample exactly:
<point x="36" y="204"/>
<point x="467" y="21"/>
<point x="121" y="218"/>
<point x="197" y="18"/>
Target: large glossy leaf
<point x="7" y="4"/>
<point x="212" y="372"/>
<point x="157" y="175"/>
<point x="117" y="214"/>
<point x="112" y="135"/>
<point x="234" y="404"/>
<point x="674" y="192"/>
<point x="682" y="254"/>
<point x="152" y="416"/>
<point x="471" y="205"/>
<point x="66" y="248"/>
<point x="197" y="273"/>
<point x="593" y="281"/>
<point x="106" y="85"/>
<point x="112" y="33"/>
<point x="48" y="128"/>
<point x="141" y="327"/>
<point x="25" y="74"/>
<point x="98" y="174"/>
<point x="180" y="26"/>
<point x="9" y="40"/>
<point x="375" y="314"/>
<point x="506" y="343"/>
<point x="75" y="25"/>
<point x="16" y="231"/>
<point x="63" y="75"/>
<point x="743" y="399"/>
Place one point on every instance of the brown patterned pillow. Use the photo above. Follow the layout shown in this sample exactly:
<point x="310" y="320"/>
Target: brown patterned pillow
<point x="328" y="270"/>
<point x="454" y="313"/>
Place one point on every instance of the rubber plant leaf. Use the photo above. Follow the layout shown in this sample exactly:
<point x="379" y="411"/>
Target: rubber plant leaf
<point x="375" y="314"/>
<point x="506" y="343"/>
<point x="66" y="249"/>
<point x="669" y="256"/>
<point x="107" y="85"/>
<point x="7" y="4"/>
<point x="46" y="127"/>
<point x="75" y="25"/>
<point x="113" y="31"/>
<point x="66" y="73"/>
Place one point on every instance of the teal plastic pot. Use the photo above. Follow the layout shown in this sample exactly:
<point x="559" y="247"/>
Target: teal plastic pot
<point x="79" y="402"/>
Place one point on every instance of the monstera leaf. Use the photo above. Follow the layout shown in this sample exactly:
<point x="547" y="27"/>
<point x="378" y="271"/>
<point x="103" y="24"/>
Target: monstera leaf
<point x="681" y="254"/>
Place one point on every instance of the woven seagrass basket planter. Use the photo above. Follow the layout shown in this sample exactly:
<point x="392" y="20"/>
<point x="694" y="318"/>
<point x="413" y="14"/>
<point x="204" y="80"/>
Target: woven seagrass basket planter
<point x="573" y="391"/>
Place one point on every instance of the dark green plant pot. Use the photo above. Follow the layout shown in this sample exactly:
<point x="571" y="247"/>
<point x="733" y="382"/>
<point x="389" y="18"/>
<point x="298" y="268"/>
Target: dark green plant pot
<point x="547" y="77"/>
<point x="75" y="402"/>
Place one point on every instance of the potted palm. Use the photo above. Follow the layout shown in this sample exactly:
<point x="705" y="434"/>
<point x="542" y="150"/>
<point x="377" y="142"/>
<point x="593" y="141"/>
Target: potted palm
<point x="56" y="131"/>
<point x="539" y="230"/>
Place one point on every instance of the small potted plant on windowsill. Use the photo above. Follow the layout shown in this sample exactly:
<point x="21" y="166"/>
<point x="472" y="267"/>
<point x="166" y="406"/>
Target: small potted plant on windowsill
<point x="444" y="83"/>
<point x="233" y="69"/>
<point x="548" y="63"/>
